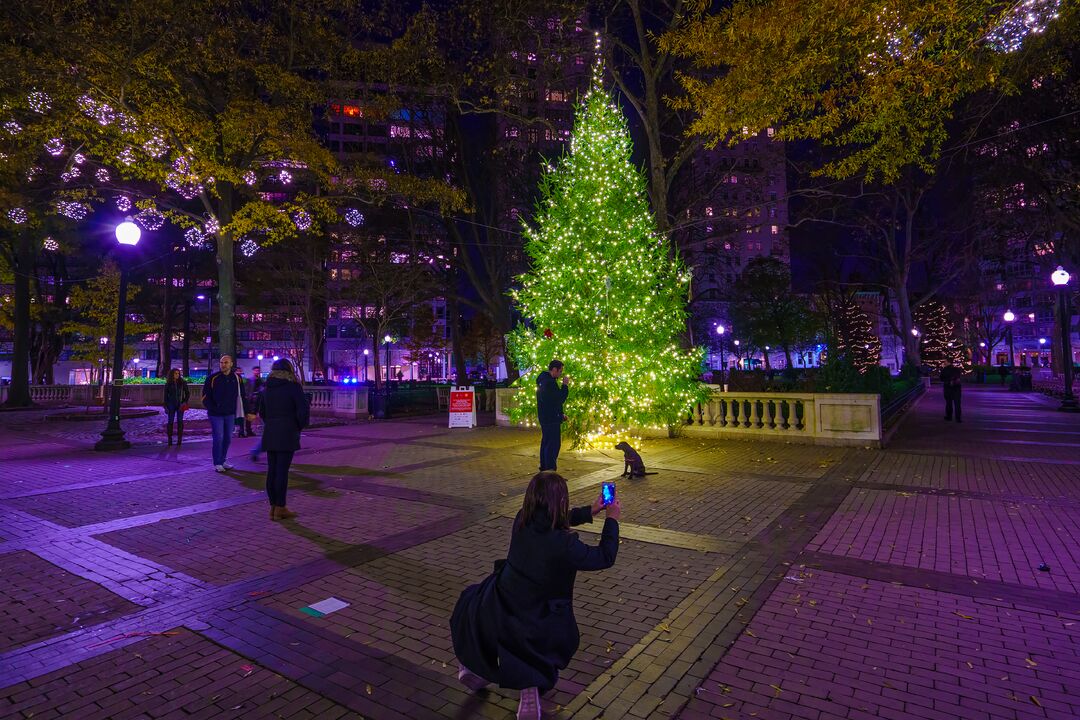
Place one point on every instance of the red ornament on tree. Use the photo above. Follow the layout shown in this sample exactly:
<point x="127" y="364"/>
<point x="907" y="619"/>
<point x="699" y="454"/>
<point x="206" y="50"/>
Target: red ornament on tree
<point x="548" y="334"/>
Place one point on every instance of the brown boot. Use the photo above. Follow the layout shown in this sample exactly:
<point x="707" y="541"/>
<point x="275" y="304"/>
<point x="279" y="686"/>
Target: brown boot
<point x="273" y="512"/>
<point x="285" y="513"/>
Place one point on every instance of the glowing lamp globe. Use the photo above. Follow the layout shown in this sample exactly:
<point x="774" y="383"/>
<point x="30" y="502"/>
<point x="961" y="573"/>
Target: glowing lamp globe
<point x="1042" y="341"/>
<point x="259" y="357"/>
<point x="720" y="329"/>
<point x="1008" y="316"/>
<point x="128" y="233"/>
<point x="915" y="331"/>
<point x="387" y="339"/>
<point x="1060" y="277"/>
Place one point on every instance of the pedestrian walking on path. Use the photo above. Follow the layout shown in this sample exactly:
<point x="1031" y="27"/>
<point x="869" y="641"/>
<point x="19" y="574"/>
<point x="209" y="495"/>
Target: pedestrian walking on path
<point x="177" y="396"/>
<point x="549" y="411"/>
<point x="258" y="383"/>
<point x="284" y="410"/>
<point x="950" y="379"/>
<point x="221" y="397"/>
<point x="517" y="628"/>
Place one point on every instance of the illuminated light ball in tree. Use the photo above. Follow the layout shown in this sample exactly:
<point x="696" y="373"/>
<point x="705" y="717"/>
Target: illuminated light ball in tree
<point x="39" y="102"/>
<point x="937" y="338"/>
<point x="72" y="209"/>
<point x="87" y="105"/>
<point x="123" y="203"/>
<point x="12" y="127"/>
<point x="127" y="124"/>
<point x="605" y="294"/>
<point x="32" y="172"/>
<point x="156" y="146"/>
<point x="302" y="220"/>
<point x="70" y="174"/>
<point x="211" y="226"/>
<point x="78" y="158"/>
<point x="104" y="115"/>
<point x="248" y="246"/>
<point x="194" y="238"/>
<point x="50" y="244"/>
<point x="102" y="175"/>
<point x="150" y="219"/>
<point x="354" y="217"/>
<point x="126" y="156"/>
<point x="249" y="177"/>
<point x="285" y="177"/>
<point x="18" y="215"/>
<point x="54" y="147"/>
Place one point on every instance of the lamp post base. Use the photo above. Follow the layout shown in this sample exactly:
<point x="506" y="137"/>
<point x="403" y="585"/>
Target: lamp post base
<point x="112" y="439"/>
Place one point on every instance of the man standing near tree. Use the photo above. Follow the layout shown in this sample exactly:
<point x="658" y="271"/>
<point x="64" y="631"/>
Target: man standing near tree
<point x="950" y="379"/>
<point x="549" y="410"/>
<point x="220" y="397"/>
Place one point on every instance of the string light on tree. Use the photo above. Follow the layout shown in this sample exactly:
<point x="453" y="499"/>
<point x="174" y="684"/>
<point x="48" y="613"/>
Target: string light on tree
<point x="285" y="177"/>
<point x="1028" y="17"/>
<point x="126" y="156"/>
<point x="937" y="340"/>
<point x="87" y="105"/>
<point x="12" y="127"/>
<point x="605" y="294"/>
<point x="72" y="209"/>
<point x="195" y="238"/>
<point x="104" y="115"/>
<point x="248" y="246"/>
<point x="855" y="338"/>
<point x="50" y="244"/>
<point x="54" y="146"/>
<point x="156" y="146"/>
<point x="78" y="158"/>
<point x="70" y="174"/>
<point x="102" y="175"/>
<point x="302" y="220"/>
<point x="32" y="172"/>
<point x="150" y="219"/>
<point x="249" y="177"/>
<point x="123" y="203"/>
<point x="354" y="217"/>
<point x="211" y="226"/>
<point x="39" y="102"/>
<point x="18" y="215"/>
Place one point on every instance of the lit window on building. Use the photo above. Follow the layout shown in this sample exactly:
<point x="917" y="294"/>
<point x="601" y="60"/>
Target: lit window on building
<point x="400" y="131"/>
<point x="532" y="57"/>
<point x="346" y="110"/>
<point x="556" y="96"/>
<point x="775" y="229"/>
<point x="770" y="132"/>
<point x="579" y="59"/>
<point x="734" y="179"/>
<point x="708" y="212"/>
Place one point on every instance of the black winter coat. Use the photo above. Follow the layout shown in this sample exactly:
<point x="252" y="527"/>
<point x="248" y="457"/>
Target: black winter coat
<point x="220" y="392"/>
<point x="517" y="627"/>
<point x="176" y="394"/>
<point x="549" y="398"/>
<point x="284" y="410"/>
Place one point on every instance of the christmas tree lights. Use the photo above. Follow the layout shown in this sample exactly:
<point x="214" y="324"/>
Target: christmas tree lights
<point x="855" y="338"/>
<point x="606" y="294"/>
<point x="937" y="338"/>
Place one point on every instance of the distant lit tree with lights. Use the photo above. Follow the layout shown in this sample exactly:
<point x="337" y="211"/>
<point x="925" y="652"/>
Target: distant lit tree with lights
<point x="606" y="295"/>
<point x="937" y="336"/>
<point x="855" y="339"/>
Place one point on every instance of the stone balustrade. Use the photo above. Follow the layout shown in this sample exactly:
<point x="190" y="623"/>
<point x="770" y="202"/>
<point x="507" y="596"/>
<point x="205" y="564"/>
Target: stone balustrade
<point x="809" y="418"/>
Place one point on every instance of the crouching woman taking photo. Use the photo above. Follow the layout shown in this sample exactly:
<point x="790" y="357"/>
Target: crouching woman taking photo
<point x="517" y="627"/>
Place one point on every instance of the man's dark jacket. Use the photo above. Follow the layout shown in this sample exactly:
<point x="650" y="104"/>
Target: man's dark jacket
<point x="285" y="412"/>
<point x="950" y="378"/>
<point x="549" y="399"/>
<point x="517" y="628"/>
<point x="219" y="394"/>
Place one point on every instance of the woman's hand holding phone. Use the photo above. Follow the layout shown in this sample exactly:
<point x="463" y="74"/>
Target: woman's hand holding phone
<point x="614" y="509"/>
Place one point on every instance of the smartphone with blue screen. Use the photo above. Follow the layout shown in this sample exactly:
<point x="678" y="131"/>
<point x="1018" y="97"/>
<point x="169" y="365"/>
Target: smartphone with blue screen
<point x="607" y="492"/>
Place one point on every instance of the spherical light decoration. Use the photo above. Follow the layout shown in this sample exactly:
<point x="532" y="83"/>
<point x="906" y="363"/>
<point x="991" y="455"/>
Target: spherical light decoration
<point x="1060" y="277"/>
<point x="156" y="146"/>
<point x="87" y="105"/>
<point x="248" y="246"/>
<point x="78" y="158"/>
<point x="354" y="217"/>
<point x="195" y="238"/>
<point x="285" y="177"/>
<point x="212" y="226"/>
<point x="50" y="244"/>
<point x="12" y="127"/>
<point x="104" y="115"/>
<point x="150" y="219"/>
<point x="128" y="233"/>
<point x="18" y="215"/>
<point x="39" y="102"/>
<point x="302" y="220"/>
<point x="71" y="174"/>
<point x="127" y="123"/>
<point x="54" y="147"/>
<point x="249" y="177"/>
<point x="71" y="209"/>
<point x="126" y="156"/>
<point x="182" y="164"/>
<point x="102" y="175"/>
<point x="1008" y="316"/>
<point x="123" y="203"/>
<point x="32" y="172"/>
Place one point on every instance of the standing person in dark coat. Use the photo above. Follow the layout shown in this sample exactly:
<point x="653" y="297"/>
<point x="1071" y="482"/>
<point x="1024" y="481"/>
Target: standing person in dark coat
<point x="284" y="410"/>
<point x="177" y="395"/>
<point x="517" y="627"/>
<point x="950" y="379"/>
<point x="221" y="397"/>
<point x="258" y="383"/>
<point x="549" y="411"/>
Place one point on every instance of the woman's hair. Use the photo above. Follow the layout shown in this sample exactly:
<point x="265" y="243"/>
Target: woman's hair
<point x="282" y="368"/>
<point x="546" y="493"/>
<point x="179" y="376"/>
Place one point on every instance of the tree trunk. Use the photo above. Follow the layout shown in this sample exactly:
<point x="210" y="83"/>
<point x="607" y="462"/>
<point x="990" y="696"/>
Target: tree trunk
<point x="226" y="275"/>
<point x="457" y="347"/>
<point x="19" y="392"/>
<point x="186" y="352"/>
<point x="164" y="362"/>
<point x="911" y="342"/>
<point x="376" y="361"/>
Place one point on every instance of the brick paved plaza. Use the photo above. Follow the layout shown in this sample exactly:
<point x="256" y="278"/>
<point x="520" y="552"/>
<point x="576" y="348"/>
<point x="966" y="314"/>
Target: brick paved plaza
<point x="754" y="580"/>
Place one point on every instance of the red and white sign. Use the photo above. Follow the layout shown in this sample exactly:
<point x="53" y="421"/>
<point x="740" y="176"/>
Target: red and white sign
<point x="462" y="407"/>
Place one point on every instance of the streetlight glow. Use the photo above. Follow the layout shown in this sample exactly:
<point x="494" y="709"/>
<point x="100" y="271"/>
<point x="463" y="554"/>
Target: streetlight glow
<point x="1042" y="341"/>
<point x="128" y="233"/>
<point x="1008" y="316"/>
<point x="1060" y="277"/>
<point x="387" y="339"/>
<point x="720" y="329"/>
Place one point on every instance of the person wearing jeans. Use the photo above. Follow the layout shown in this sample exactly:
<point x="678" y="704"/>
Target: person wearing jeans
<point x="549" y="410"/>
<point x="284" y="410"/>
<point x="221" y="393"/>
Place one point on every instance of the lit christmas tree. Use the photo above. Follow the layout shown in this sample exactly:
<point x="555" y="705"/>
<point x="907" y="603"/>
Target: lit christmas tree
<point x="605" y="295"/>
<point x="937" y="338"/>
<point x="855" y="338"/>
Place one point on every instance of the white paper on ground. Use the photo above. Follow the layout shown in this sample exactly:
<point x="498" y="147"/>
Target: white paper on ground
<point x="329" y="605"/>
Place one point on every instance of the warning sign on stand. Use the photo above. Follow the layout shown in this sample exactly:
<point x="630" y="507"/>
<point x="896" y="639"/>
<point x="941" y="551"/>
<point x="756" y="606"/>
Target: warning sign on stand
<point x="462" y="407"/>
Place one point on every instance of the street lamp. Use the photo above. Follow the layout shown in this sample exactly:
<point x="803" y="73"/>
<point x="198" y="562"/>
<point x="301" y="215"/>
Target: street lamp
<point x="112" y="437"/>
<point x="1061" y="278"/>
<point x="387" y="339"/>
<point x="366" y="351"/>
<point x="209" y="332"/>
<point x="1009" y="317"/>
<point x="720" y="329"/>
<point x="738" y="360"/>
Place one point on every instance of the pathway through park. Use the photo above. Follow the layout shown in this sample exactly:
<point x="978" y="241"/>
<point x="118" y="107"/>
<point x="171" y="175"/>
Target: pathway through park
<point x="754" y="580"/>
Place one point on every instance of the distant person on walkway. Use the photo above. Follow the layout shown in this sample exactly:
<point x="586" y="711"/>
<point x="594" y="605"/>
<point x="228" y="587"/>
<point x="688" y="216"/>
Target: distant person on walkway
<point x="950" y="380"/>
<point x="258" y="384"/>
<point x="549" y="410"/>
<point x="177" y="396"/>
<point x="284" y="410"/>
<point x="517" y="627"/>
<point x="243" y="407"/>
<point x="221" y="397"/>
<point x="1003" y="371"/>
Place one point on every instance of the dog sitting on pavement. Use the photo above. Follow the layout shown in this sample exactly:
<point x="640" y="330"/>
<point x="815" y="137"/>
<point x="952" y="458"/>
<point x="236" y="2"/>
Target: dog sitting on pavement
<point x="635" y="466"/>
